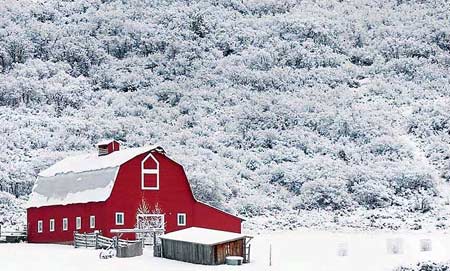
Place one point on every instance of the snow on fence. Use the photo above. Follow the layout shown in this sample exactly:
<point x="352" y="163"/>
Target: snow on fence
<point x="425" y="245"/>
<point x="97" y="241"/>
<point x="342" y="249"/>
<point x="394" y="245"/>
<point x="12" y="236"/>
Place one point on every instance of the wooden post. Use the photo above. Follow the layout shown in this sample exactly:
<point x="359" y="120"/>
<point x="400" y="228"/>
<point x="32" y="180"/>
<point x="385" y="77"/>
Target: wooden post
<point x="270" y="255"/>
<point x="116" y="243"/>
<point x="96" y="240"/>
<point x="75" y="239"/>
<point x="85" y="240"/>
<point x="248" y="255"/>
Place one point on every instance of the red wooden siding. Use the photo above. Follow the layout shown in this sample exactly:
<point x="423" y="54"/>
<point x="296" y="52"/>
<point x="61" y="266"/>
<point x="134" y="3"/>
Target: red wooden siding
<point x="174" y="196"/>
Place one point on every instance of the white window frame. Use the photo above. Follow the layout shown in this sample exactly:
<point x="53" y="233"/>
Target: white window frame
<point x="51" y="225"/>
<point x="40" y="226"/>
<point x="92" y="221"/>
<point x="145" y="171"/>
<point x="183" y="215"/>
<point x="78" y="222"/>
<point x="152" y="215"/>
<point x="123" y="218"/>
<point x="65" y="224"/>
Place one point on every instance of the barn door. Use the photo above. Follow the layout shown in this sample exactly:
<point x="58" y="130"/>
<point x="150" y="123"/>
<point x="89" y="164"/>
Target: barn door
<point x="152" y="222"/>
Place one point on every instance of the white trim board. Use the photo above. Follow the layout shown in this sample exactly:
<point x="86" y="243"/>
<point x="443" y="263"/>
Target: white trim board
<point x="123" y="218"/>
<point x="149" y="171"/>
<point x="184" y="219"/>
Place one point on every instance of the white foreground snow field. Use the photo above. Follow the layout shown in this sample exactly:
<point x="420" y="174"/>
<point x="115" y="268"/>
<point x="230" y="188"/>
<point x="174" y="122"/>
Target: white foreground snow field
<point x="304" y="250"/>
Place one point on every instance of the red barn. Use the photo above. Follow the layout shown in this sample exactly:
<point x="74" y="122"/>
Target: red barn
<point x="104" y="191"/>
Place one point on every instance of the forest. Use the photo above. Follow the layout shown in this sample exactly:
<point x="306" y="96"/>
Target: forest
<point x="272" y="107"/>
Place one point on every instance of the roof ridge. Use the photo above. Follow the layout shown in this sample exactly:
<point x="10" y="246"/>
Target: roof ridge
<point x="84" y="162"/>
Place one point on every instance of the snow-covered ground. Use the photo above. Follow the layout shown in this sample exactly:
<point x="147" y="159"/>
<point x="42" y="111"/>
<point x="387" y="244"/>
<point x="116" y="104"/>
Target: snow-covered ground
<point x="291" y="250"/>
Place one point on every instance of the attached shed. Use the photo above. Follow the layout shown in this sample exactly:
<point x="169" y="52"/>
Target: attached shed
<point x="204" y="246"/>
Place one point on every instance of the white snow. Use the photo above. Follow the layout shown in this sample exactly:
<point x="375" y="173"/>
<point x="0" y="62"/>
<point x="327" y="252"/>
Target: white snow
<point x="203" y="236"/>
<point x="92" y="161"/>
<point x="81" y="179"/>
<point x="105" y="142"/>
<point x="305" y="250"/>
<point x="90" y="186"/>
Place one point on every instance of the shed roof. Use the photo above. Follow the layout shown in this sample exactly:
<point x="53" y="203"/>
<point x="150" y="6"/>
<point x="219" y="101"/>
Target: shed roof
<point x="82" y="178"/>
<point x="203" y="236"/>
<point x="105" y="142"/>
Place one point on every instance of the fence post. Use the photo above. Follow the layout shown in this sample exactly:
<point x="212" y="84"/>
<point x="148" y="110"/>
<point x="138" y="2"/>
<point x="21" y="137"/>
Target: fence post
<point x="270" y="255"/>
<point x="85" y="240"/>
<point x="96" y="240"/>
<point x="248" y="255"/>
<point x="75" y="239"/>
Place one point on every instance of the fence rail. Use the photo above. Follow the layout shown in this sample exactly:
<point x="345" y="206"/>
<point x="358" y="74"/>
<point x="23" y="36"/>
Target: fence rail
<point x="96" y="240"/>
<point x="12" y="236"/>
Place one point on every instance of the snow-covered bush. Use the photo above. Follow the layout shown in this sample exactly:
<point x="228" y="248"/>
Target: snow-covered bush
<point x="301" y="104"/>
<point x="372" y="194"/>
<point x="326" y="193"/>
<point x="425" y="266"/>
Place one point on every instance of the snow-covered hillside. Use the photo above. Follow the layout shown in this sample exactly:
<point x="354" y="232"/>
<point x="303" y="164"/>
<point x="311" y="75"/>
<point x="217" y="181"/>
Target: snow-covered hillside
<point x="275" y="108"/>
<point x="291" y="250"/>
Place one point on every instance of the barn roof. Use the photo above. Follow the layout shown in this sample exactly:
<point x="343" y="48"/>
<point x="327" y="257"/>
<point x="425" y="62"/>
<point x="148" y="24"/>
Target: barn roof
<point x="92" y="161"/>
<point x="203" y="236"/>
<point x="82" y="178"/>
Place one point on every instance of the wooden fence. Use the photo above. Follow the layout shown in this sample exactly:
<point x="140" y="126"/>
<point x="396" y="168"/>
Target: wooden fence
<point x="97" y="240"/>
<point x="12" y="236"/>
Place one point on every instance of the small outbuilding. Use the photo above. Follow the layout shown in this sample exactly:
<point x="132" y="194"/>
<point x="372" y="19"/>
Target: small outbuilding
<point x="204" y="246"/>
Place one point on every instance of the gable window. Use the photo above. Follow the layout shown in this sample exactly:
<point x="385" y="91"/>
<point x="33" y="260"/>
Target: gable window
<point x="65" y="224"/>
<point x="120" y="219"/>
<point x="39" y="226"/>
<point x="150" y="173"/>
<point x="92" y="221"/>
<point x="52" y="225"/>
<point x="181" y="219"/>
<point x="78" y="223"/>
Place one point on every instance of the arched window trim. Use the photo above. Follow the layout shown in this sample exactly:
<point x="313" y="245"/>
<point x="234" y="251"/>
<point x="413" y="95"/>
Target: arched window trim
<point x="145" y="171"/>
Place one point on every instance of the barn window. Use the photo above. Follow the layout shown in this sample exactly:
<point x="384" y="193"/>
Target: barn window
<point x="52" y="225"/>
<point x="78" y="222"/>
<point x="150" y="173"/>
<point x="92" y="221"/>
<point x="39" y="226"/>
<point x="181" y="219"/>
<point x="120" y="219"/>
<point x="65" y="224"/>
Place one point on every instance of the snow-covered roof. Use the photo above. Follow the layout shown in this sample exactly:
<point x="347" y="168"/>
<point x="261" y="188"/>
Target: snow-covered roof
<point x="203" y="236"/>
<point x="82" y="178"/>
<point x="105" y="142"/>
<point x="92" y="161"/>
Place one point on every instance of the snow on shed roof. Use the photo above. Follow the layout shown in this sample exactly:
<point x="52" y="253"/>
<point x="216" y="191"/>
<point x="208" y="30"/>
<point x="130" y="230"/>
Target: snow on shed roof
<point x="203" y="236"/>
<point x="82" y="178"/>
<point x="105" y="142"/>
